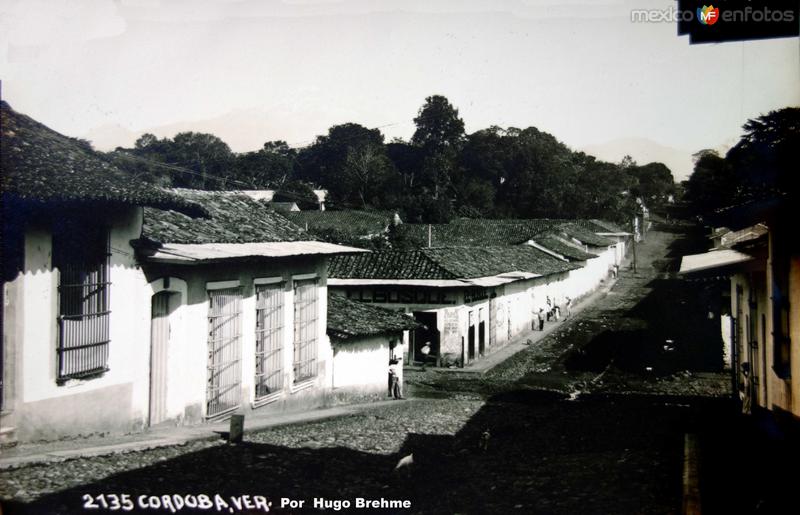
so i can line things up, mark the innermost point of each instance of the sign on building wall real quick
(403, 295)
(450, 321)
(475, 294)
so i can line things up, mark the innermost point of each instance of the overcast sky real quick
(252, 71)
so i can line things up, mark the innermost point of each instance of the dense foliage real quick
(440, 173)
(761, 164)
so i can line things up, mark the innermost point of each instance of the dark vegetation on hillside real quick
(440, 173)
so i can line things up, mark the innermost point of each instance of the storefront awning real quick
(713, 259)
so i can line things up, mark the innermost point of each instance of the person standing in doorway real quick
(395, 381)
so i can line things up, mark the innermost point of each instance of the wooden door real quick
(159, 348)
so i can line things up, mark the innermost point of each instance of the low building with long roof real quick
(469, 300)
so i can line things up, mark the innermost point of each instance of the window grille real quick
(269, 338)
(81, 255)
(224, 350)
(305, 330)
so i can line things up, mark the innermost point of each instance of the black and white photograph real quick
(400, 257)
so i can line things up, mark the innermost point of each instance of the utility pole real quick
(634, 224)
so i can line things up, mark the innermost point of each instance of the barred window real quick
(81, 255)
(305, 330)
(224, 350)
(269, 338)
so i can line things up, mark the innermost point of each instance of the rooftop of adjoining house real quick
(597, 225)
(42, 165)
(349, 222)
(560, 246)
(348, 319)
(469, 231)
(233, 218)
(447, 263)
(733, 238)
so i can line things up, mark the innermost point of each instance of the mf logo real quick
(708, 15)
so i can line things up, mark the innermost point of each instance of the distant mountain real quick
(242, 129)
(644, 151)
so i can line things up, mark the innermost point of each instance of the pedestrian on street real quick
(425, 351)
(569, 307)
(395, 385)
(541, 319)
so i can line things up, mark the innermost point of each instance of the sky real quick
(251, 71)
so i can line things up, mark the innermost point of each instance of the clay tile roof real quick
(606, 226)
(41, 165)
(467, 231)
(233, 218)
(348, 319)
(446, 263)
(584, 235)
(350, 222)
(388, 264)
(559, 246)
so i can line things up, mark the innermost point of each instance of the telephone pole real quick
(634, 224)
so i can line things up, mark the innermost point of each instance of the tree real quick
(269, 167)
(765, 158)
(653, 182)
(206, 155)
(438, 126)
(762, 163)
(439, 135)
(712, 184)
(350, 162)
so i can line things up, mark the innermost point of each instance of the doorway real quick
(160, 330)
(471, 342)
(481, 338)
(428, 333)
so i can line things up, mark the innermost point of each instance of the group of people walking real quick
(553, 313)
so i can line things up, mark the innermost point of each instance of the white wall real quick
(188, 352)
(41, 407)
(363, 363)
(119, 400)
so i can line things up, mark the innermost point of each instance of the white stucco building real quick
(127, 306)
(468, 299)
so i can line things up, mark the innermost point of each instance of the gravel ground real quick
(570, 425)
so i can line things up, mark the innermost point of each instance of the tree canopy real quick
(761, 164)
(441, 172)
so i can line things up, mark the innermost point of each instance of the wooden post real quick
(635, 225)
(237, 429)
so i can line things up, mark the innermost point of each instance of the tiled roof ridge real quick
(428, 256)
(42, 165)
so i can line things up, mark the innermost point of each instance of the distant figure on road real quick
(568, 305)
(395, 385)
(425, 351)
(541, 319)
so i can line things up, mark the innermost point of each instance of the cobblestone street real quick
(590, 419)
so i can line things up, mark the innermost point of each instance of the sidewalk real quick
(522, 340)
(28, 454)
